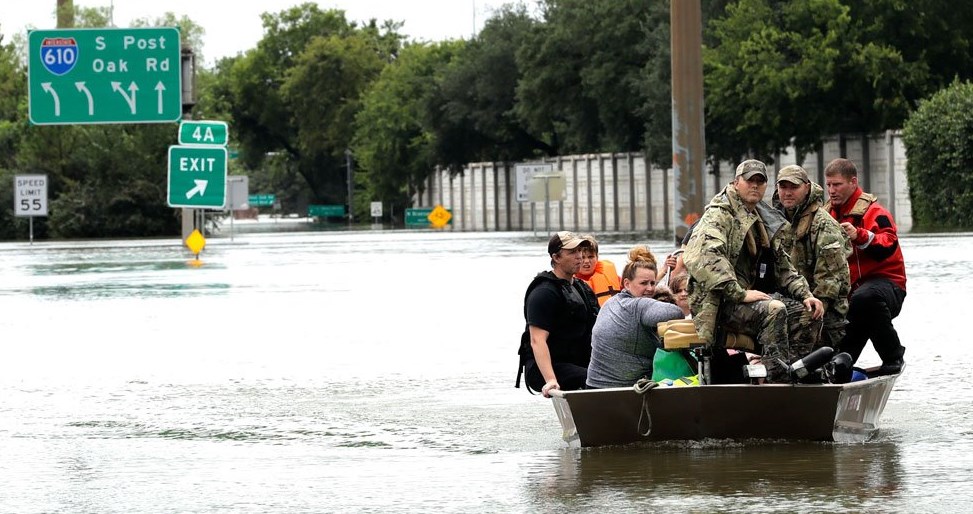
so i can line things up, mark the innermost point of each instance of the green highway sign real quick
(261, 200)
(202, 133)
(82, 76)
(418, 216)
(325, 211)
(197, 176)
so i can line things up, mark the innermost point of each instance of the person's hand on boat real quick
(755, 296)
(815, 306)
(548, 387)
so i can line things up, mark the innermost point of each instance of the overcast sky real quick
(233, 26)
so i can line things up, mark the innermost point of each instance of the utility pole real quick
(188, 70)
(688, 145)
(351, 181)
(65, 14)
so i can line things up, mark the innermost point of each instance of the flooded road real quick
(373, 371)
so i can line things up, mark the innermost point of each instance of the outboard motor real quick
(839, 370)
(801, 369)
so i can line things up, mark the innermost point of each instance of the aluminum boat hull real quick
(825, 412)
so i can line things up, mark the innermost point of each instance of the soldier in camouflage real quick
(738, 248)
(820, 249)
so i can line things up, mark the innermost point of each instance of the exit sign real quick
(197, 176)
(203, 133)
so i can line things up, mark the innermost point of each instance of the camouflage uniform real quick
(712, 255)
(820, 253)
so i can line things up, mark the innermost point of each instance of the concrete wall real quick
(619, 193)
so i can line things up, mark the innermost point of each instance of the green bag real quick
(671, 365)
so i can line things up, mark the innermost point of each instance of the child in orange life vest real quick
(600, 275)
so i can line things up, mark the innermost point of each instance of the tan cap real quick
(751, 167)
(794, 174)
(564, 240)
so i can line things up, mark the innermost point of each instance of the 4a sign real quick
(197, 176)
(82, 76)
(30, 195)
(203, 133)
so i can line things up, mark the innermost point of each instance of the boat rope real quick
(645, 418)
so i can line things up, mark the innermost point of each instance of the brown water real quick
(373, 371)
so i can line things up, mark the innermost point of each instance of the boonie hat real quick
(794, 174)
(751, 167)
(564, 240)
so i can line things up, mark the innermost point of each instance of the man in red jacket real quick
(876, 265)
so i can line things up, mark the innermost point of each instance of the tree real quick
(294, 98)
(939, 141)
(472, 110)
(393, 143)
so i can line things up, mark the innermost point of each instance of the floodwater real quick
(373, 372)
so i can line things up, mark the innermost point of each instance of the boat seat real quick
(681, 334)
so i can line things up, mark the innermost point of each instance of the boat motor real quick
(802, 368)
(839, 369)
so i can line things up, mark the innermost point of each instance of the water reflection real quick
(749, 476)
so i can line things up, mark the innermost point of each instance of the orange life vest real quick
(604, 281)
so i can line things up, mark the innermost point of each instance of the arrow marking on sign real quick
(57, 101)
(132, 88)
(200, 188)
(160, 87)
(91, 101)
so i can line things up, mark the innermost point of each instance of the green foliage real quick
(393, 144)
(471, 111)
(939, 143)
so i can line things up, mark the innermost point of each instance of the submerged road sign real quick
(81, 76)
(197, 176)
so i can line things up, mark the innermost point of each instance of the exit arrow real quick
(200, 188)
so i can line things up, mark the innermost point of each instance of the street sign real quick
(524, 173)
(325, 211)
(203, 133)
(418, 216)
(261, 200)
(197, 176)
(237, 192)
(439, 217)
(30, 195)
(82, 76)
(376, 209)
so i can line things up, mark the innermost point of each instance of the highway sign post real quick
(203, 133)
(114, 75)
(197, 176)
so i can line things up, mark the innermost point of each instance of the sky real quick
(233, 26)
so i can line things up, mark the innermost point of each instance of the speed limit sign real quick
(30, 195)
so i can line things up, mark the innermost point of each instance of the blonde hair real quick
(639, 257)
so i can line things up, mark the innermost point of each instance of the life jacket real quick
(603, 281)
(572, 307)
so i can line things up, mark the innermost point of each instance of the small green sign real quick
(82, 76)
(197, 176)
(326, 211)
(261, 200)
(418, 216)
(202, 133)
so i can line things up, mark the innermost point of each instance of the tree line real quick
(554, 78)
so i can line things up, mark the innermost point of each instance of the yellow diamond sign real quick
(439, 217)
(196, 242)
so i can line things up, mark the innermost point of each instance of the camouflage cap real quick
(750, 167)
(794, 174)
